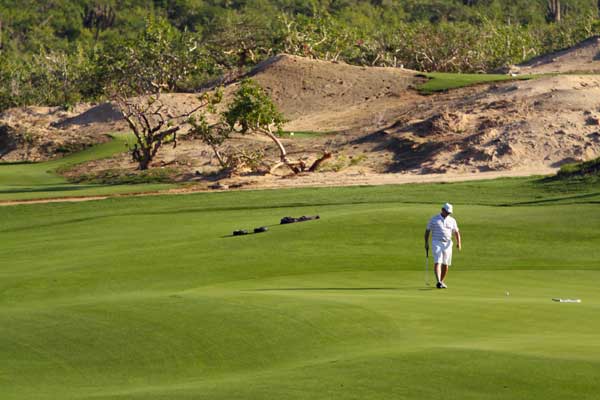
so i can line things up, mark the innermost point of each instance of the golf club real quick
(426, 267)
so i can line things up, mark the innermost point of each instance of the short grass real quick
(151, 298)
(442, 81)
(22, 181)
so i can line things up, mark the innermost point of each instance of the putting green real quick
(150, 298)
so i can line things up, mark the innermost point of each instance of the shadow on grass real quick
(17, 163)
(71, 188)
(555, 200)
(331, 289)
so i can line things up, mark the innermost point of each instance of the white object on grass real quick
(559, 300)
(507, 293)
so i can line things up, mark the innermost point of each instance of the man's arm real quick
(427, 239)
(458, 240)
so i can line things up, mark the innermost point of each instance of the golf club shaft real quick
(427, 267)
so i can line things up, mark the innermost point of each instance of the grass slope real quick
(22, 181)
(150, 298)
(586, 170)
(443, 81)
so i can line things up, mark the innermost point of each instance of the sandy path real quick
(312, 180)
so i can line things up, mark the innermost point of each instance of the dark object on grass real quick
(241, 232)
(291, 220)
(261, 229)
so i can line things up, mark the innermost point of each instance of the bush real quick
(583, 169)
(124, 177)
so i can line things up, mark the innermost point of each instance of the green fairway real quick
(151, 298)
(22, 181)
(442, 81)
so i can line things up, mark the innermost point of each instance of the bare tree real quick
(153, 123)
(157, 61)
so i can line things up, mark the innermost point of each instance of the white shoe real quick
(443, 285)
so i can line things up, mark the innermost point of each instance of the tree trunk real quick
(319, 161)
(554, 10)
(144, 161)
(282, 152)
(219, 156)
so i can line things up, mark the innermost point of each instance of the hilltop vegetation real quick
(61, 52)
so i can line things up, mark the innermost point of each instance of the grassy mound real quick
(151, 298)
(21, 181)
(584, 169)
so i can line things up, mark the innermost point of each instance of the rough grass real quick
(590, 168)
(21, 181)
(442, 81)
(150, 298)
(120, 177)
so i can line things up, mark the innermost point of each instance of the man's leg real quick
(443, 272)
(446, 260)
(438, 272)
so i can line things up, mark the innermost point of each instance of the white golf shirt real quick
(442, 228)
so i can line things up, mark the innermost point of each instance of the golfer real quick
(442, 226)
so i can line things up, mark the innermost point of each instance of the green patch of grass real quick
(357, 159)
(23, 181)
(336, 165)
(589, 168)
(150, 298)
(443, 81)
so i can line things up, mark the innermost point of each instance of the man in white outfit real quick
(442, 226)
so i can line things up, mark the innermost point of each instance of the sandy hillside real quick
(582, 58)
(322, 96)
(380, 128)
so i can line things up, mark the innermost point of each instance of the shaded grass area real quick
(587, 170)
(145, 298)
(22, 181)
(443, 81)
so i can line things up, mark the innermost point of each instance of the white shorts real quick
(442, 252)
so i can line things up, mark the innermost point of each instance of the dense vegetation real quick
(60, 52)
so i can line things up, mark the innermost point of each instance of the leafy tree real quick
(252, 110)
(214, 135)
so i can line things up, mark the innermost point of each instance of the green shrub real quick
(589, 168)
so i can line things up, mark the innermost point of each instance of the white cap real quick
(448, 207)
